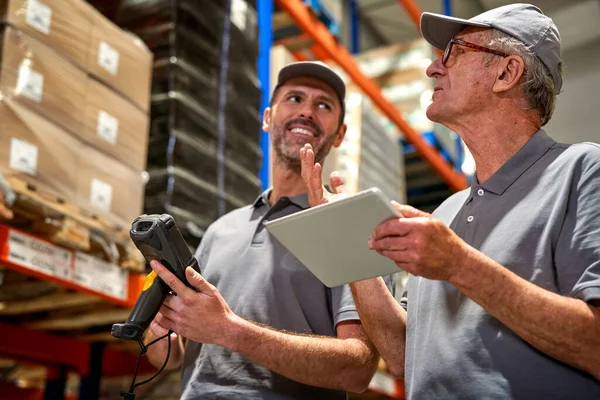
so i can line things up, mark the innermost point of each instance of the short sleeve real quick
(342, 305)
(577, 253)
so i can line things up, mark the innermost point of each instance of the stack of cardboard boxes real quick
(74, 104)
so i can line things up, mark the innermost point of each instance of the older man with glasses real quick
(503, 299)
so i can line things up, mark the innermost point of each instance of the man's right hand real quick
(311, 174)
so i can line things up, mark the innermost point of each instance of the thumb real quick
(198, 281)
(408, 211)
(337, 182)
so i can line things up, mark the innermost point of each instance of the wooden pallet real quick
(41, 212)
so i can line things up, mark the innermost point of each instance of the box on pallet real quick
(38, 77)
(105, 184)
(37, 151)
(120, 60)
(115, 126)
(64, 25)
(79, 32)
(369, 156)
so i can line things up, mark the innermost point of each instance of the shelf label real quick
(101, 195)
(108, 58)
(39, 16)
(108, 127)
(23, 156)
(30, 83)
(38, 255)
(101, 276)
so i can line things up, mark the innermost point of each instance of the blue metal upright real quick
(354, 29)
(265, 38)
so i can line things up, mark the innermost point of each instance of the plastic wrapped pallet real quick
(203, 152)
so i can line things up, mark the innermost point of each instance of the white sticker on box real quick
(108, 58)
(37, 255)
(30, 83)
(23, 156)
(108, 127)
(100, 276)
(101, 195)
(39, 16)
(239, 12)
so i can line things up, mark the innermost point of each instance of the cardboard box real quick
(41, 79)
(64, 25)
(36, 150)
(115, 126)
(120, 60)
(107, 185)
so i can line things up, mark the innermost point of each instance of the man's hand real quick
(311, 174)
(202, 316)
(420, 244)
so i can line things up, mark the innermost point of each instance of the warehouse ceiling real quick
(578, 20)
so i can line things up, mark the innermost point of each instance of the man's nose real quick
(435, 68)
(306, 111)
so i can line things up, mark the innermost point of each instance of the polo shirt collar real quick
(527, 155)
(300, 200)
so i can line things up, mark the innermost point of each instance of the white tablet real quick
(331, 239)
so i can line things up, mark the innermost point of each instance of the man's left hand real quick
(420, 244)
(311, 174)
(202, 316)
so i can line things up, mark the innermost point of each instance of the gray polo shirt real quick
(538, 216)
(262, 282)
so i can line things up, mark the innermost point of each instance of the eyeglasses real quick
(473, 46)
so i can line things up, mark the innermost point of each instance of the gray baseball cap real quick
(314, 69)
(524, 22)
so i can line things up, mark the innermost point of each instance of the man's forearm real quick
(333, 363)
(384, 321)
(564, 328)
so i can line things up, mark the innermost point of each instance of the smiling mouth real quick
(303, 131)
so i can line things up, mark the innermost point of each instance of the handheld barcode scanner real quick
(158, 238)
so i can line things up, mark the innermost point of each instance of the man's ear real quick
(509, 73)
(266, 125)
(340, 135)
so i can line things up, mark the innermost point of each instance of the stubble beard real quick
(289, 158)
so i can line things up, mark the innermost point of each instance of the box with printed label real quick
(41, 79)
(108, 185)
(37, 150)
(115, 126)
(120, 60)
(64, 25)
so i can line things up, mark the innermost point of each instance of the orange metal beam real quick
(413, 11)
(321, 36)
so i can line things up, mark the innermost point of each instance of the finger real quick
(337, 182)
(408, 211)
(400, 257)
(169, 278)
(198, 281)
(392, 227)
(164, 321)
(394, 243)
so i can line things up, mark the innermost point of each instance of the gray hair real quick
(539, 88)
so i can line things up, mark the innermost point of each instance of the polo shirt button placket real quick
(470, 218)
(480, 192)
